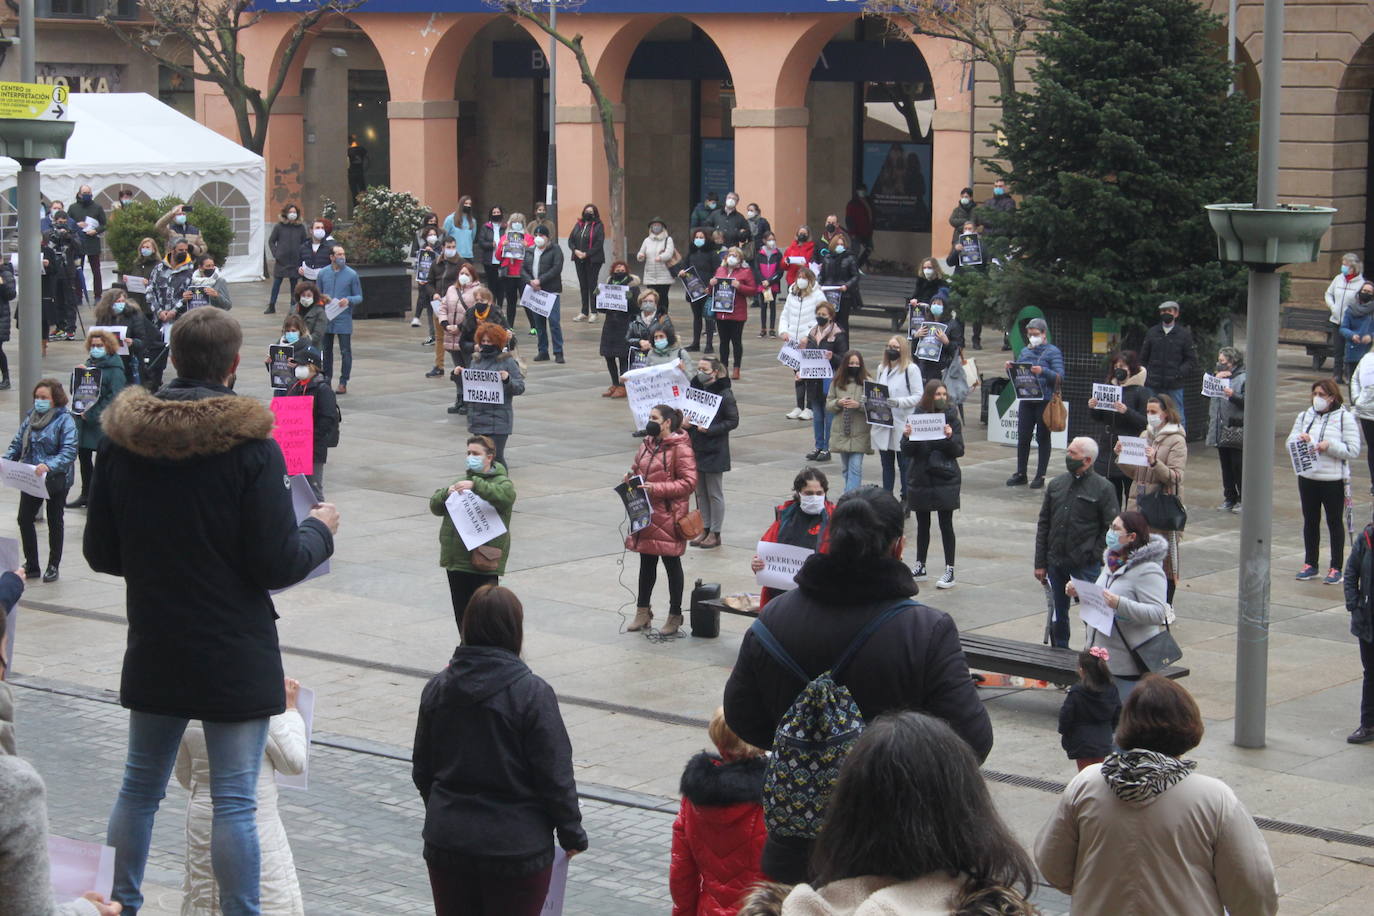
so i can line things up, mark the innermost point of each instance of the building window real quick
(86, 9)
(235, 206)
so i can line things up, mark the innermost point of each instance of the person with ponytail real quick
(1090, 711)
(913, 661)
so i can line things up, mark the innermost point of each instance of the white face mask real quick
(318, 234)
(929, 273)
(431, 239)
(293, 215)
(1154, 420)
(812, 503)
(966, 201)
(450, 252)
(1036, 340)
(464, 279)
(1319, 404)
(803, 283)
(771, 245)
(732, 261)
(302, 372)
(307, 300)
(540, 241)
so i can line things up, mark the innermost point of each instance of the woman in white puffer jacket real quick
(286, 753)
(796, 318)
(1332, 432)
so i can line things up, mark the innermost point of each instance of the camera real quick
(187, 208)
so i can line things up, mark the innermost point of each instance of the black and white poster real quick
(876, 405)
(85, 388)
(971, 252)
(1026, 382)
(278, 358)
(636, 500)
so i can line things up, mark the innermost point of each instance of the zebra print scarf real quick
(1140, 775)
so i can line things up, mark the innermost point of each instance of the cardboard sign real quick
(305, 705)
(693, 286)
(876, 405)
(636, 501)
(781, 562)
(538, 301)
(926, 427)
(120, 332)
(483, 386)
(295, 432)
(1213, 387)
(1004, 420)
(653, 385)
(77, 868)
(1303, 454)
(85, 388)
(1108, 396)
(135, 284)
(816, 364)
(723, 299)
(700, 407)
(971, 254)
(279, 370)
(21, 477)
(1026, 382)
(1132, 451)
(476, 519)
(612, 297)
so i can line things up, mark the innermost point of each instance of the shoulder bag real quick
(1156, 653)
(1163, 510)
(1056, 415)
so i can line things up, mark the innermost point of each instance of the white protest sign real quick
(558, 886)
(1003, 429)
(1303, 454)
(610, 297)
(305, 705)
(21, 477)
(77, 867)
(699, 407)
(333, 309)
(476, 519)
(120, 332)
(310, 273)
(926, 427)
(816, 364)
(483, 386)
(135, 284)
(538, 301)
(1107, 395)
(780, 564)
(1092, 607)
(302, 501)
(645, 388)
(790, 357)
(1213, 387)
(1132, 451)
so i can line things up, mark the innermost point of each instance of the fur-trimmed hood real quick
(184, 423)
(1152, 551)
(709, 780)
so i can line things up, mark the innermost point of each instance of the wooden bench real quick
(1309, 327)
(886, 296)
(1004, 656)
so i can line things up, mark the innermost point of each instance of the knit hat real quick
(310, 355)
(541, 229)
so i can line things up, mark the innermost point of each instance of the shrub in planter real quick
(384, 224)
(131, 224)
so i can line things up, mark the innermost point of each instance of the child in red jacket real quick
(719, 833)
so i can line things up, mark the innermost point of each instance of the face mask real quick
(1167, 319)
(432, 239)
(803, 283)
(1319, 404)
(661, 344)
(812, 503)
(1221, 367)
(118, 307)
(929, 273)
(540, 214)
(496, 218)
(86, 198)
(705, 378)
(307, 301)
(653, 428)
(732, 261)
(181, 219)
(341, 260)
(97, 352)
(302, 372)
(1036, 340)
(540, 241)
(700, 243)
(1349, 270)
(998, 192)
(206, 271)
(293, 216)
(146, 252)
(1113, 539)
(940, 403)
(832, 225)
(475, 462)
(937, 310)
(892, 354)
(517, 227)
(1073, 464)
(730, 203)
(771, 245)
(859, 193)
(41, 405)
(753, 214)
(854, 371)
(589, 215)
(490, 349)
(1154, 420)
(656, 229)
(1364, 296)
(822, 320)
(618, 275)
(1119, 375)
(318, 234)
(839, 249)
(802, 236)
(710, 205)
(291, 337)
(464, 279)
(965, 201)
(467, 208)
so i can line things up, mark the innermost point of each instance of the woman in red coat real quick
(719, 833)
(669, 467)
(802, 521)
(735, 271)
(511, 250)
(799, 254)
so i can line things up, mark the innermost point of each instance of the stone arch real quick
(1352, 181)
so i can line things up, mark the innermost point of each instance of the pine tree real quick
(1128, 134)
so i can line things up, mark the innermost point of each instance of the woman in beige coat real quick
(286, 753)
(1167, 454)
(1142, 833)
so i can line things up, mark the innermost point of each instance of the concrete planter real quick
(386, 290)
(1268, 238)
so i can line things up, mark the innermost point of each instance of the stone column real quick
(424, 150)
(770, 162)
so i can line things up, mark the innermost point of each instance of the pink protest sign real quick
(295, 432)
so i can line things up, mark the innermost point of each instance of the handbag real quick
(486, 558)
(956, 385)
(1164, 511)
(1231, 436)
(690, 525)
(1156, 653)
(1056, 415)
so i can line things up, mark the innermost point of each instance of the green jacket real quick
(496, 488)
(112, 381)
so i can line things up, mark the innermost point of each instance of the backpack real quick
(813, 738)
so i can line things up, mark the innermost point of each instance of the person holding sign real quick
(904, 388)
(796, 320)
(103, 350)
(542, 270)
(1226, 423)
(698, 263)
(314, 254)
(510, 249)
(341, 289)
(469, 570)
(936, 343)
(1327, 437)
(736, 273)
(933, 476)
(1047, 365)
(48, 440)
(615, 329)
(1123, 417)
(802, 521)
(1166, 456)
(711, 446)
(306, 365)
(496, 421)
(846, 400)
(829, 336)
(147, 257)
(207, 284)
(118, 309)
(839, 268)
(482, 311)
(668, 466)
(664, 352)
(493, 763)
(656, 252)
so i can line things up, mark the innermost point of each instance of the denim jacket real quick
(53, 445)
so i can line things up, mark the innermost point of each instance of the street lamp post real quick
(551, 182)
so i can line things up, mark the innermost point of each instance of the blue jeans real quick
(816, 390)
(345, 352)
(888, 459)
(544, 326)
(1176, 395)
(235, 750)
(853, 465)
(1059, 577)
(276, 286)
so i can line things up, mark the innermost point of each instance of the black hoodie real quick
(493, 762)
(1087, 720)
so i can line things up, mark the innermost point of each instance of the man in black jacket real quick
(90, 221)
(1169, 356)
(543, 270)
(731, 222)
(201, 463)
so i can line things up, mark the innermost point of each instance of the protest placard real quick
(333, 309)
(1213, 387)
(120, 332)
(302, 501)
(611, 297)
(723, 299)
(833, 295)
(915, 318)
(1132, 451)
(85, 388)
(310, 273)
(295, 432)
(424, 263)
(199, 297)
(279, 368)
(1303, 454)
(558, 885)
(926, 427)
(513, 246)
(636, 501)
(1026, 382)
(76, 867)
(780, 564)
(539, 301)
(21, 477)
(816, 364)
(638, 358)
(476, 519)
(9, 560)
(1092, 607)
(971, 252)
(699, 407)
(305, 705)
(790, 357)
(693, 286)
(645, 388)
(1108, 396)
(135, 284)
(483, 386)
(876, 405)
(928, 345)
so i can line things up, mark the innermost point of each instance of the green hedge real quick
(137, 221)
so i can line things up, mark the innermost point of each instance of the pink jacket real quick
(669, 469)
(453, 307)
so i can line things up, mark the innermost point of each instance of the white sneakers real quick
(806, 414)
(415, 322)
(947, 580)
(794, 414)
(580, 317)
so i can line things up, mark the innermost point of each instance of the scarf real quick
(37, 422)
(1360, 309)
(1141, 775)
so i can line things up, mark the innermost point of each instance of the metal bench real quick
(1309, 327)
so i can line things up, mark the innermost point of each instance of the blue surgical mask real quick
(97, 352)
(475, 462)
(181, 219)
(341, 260)
(516, 227)
(700, 243)
(998, 192)
(839, 249)
(291, 336)
(937, 309)
(660, 344)
(1113, 539)
(118, 308)
(146, 252)
(41, 405)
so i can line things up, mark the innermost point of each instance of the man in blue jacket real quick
(340, 286)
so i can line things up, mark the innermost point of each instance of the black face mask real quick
(467, 208)
(802, 236)
(1363, 296)
(892, 354)
(822, 320)
(1167, 319)
(653, 428)
(1221, 367)
(619, 275)
(855, 371)
(589, 215)
(1119, 374)
(490, 349)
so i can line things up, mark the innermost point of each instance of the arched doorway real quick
(1353, 195)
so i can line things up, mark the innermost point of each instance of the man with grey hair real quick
(1345, 286)
(1069, 538)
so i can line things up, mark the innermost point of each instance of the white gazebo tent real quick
(132, 139)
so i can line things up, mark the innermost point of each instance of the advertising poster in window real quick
(898, 179)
